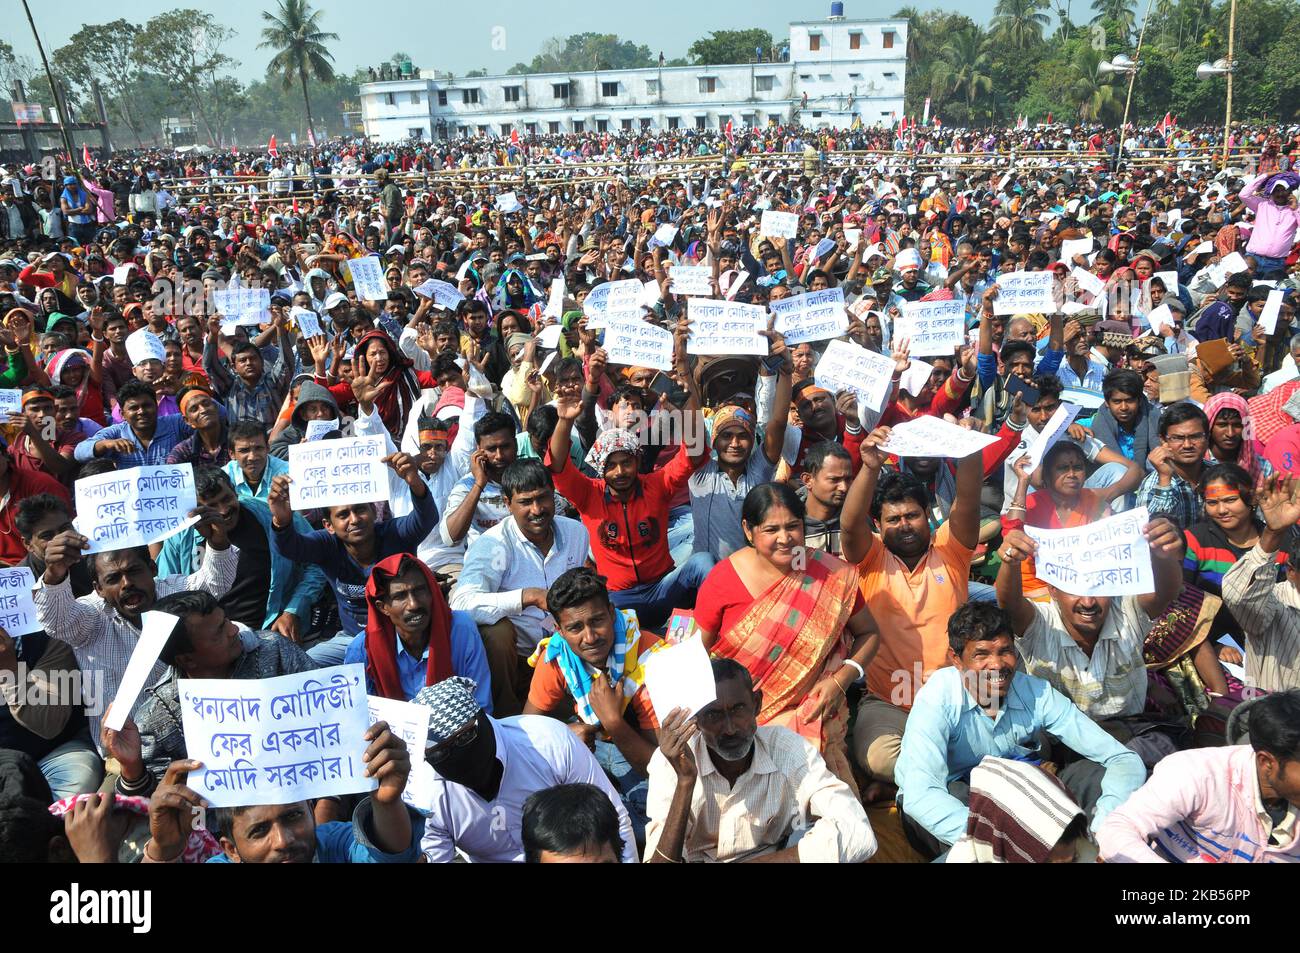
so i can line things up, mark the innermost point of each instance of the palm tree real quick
(1092, 91)
(963, 67)
(1020, 22)
(1122, 12)
(296, 37)
(914, 31)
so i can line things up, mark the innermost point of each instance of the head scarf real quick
(732, 414)
(611, 441)
(61, 361)
(381, 636)
(501, 296)
(1225, 240)
(623, 667)
(1247, 455)
(451, 705)
(395, 401)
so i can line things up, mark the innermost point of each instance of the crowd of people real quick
(893, 678)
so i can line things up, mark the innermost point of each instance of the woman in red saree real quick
(795, 618)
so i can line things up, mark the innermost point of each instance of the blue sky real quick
(459, 37)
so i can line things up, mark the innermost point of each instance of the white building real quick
(846, 68)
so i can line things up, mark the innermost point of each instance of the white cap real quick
(332, 301)
(907, 258)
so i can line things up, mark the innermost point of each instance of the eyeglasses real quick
(1185, 437)
(444, 751)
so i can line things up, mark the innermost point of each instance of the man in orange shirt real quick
(912, 582)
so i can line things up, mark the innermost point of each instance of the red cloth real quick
(1266, 411)
(724, 599)
(22, 484)
(381, 637)
(947, 400)
(394, 402)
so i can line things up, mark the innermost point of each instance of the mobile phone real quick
(665, 385)
(1018, 385)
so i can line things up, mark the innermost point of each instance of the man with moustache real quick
(827, 476)
(722, 788)
(980, 705)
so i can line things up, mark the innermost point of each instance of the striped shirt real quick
(1178, 501)
(1112, 682)
(170, 430)
(1269, 613)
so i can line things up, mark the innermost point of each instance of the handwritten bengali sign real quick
(613, 296)
(927, 436)
(240, 301)
(337, 472)
(779, 224)
(1110, 557)
(639, 344)
(444, 293)
(1026, 292)
(932, 327)
(692, 280)
(368, 278)
(134, 507)
(815, 316)
(11, 400)
(726, 327)
(17, 610)
(277, 740)
(848, 366)
(308, 322)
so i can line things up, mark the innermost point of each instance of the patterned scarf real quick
(623, 667)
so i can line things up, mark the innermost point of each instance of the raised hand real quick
(1278, 498)
(277, 499)
(171, 811)
(675, 733)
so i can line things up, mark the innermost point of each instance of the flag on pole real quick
(311, 138)
(1049, 119)
(925, 114)
(731, 135)
(514, 136)
(271, 147)
(86, 159)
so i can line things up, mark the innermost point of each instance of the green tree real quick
(105, 54)
(1094, 94)
(730, 46)
(295, 34)
(963, 67)
(1019, 23)
(1121, 14)
(186, 46)
(586, 51)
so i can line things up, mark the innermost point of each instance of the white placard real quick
(17, 610)
(410, 722)
(155, 628)
(1170, 279)
(444, 293)
(232, 301)
(815, 316)
(927, 436)
(316, 429)
(779, 224)
(1075, 246)
(508, 202)
(726, 327)
(915, 377)
(122, 273)
(848, 366)
(1110, 557)
(549, 337)
(308, 322)
(691, 280)
(1160, 317)
(143, 345)
(1272, 308)
(368, 278)
(11, 400)
(663, 236)
(1233, 264)
(252, 318)
(680, 676)
(852, 237)
(1026, 292)
(337, 472)
(555, 303)
(134, 507)
(1050, 434)
(277, 740)
(613, 296)
(639, 344)
(932, 327)
(1089, 282)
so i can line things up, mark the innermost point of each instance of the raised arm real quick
(1016, 547)
(856, 536)
(964, 517)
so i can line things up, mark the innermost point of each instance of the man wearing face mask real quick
(980, 705)
(484, 769)
(768, 784)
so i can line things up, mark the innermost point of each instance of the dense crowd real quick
(894, 676)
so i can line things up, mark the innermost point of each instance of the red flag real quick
(271, 148)
(311, 138)
(514, 136)
(1049, 119)
(731, 136)
(295, 208)
(902, 124)
(86, 160)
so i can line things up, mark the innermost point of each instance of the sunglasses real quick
(463, 739)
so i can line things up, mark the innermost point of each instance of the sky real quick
(484, 34)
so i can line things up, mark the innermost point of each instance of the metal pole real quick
(58, 102)
(1132, 78)
(1227, 118)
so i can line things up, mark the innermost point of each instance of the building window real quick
(888, 39)
(645, 125)
(482, 130)
(602, 125)
(505, 129)
(390, 99)
(609, 90)
(748, 119)
(855, 76)
(469, 96)
(674, 122)
(579, 126)
(814, 42)
(708, 84)
(701, 122)
(626, 124)
(553, 128)
(652, 87)
(415, 99)
(532, 128)
(561, 90)
(442, 97)
(415, 132)
(763, 84)
(890, 76)
(824, 77)
(806, 77)
(855, 41)
(817, 115)
(512, 94)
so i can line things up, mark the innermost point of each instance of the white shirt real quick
(502, 563)
(536, 752)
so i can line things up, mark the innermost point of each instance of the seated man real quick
(1090, 648)
(594, 667)
(476, 503)
(978, 706)
(506, 574)
(41, 518)
(209, 443)
(314, 403)
(251, 390)
(204, 644)
(252, 468)
(1218, 805)
(412, 638)
(826, 478)
(269, 592)
(103, 627)
(485, 769)
(351, 542)
(571, 824)
(724, 789)
(143, 438)
(383, 830)
(626, 514)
